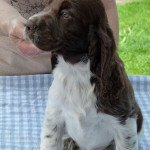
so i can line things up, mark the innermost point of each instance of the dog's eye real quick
(64, 14)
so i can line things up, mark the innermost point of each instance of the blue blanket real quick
(22, 104)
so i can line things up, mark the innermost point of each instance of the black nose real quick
(30, 25)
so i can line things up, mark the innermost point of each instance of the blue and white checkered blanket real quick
(22, 103)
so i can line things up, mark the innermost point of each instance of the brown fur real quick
(114, 92)
(78, 29)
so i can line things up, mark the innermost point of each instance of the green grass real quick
(134, 45)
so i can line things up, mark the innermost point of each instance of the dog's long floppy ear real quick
(104, 61)
(102, 45)
(102, 48)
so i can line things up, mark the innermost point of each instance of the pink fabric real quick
(12, 61)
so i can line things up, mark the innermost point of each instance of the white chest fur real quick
(75, 95)
(71, 108)
(90, 131)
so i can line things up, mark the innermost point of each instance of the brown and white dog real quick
(91, 99)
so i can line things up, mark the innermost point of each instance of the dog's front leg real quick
(52, 132)
(126, 136)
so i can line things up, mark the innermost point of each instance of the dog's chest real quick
(87, 127)
(90, 130)
(82, 122)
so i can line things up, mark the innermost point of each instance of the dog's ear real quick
(101, 49)
(102, 45)
(104, 61)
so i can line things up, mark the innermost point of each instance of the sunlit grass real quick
(134, 46)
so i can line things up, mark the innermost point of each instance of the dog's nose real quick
(30, 25)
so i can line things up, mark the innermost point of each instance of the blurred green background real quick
(134, 44)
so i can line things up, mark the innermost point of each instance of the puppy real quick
(91, 99)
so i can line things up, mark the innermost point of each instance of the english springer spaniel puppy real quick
(91, 99)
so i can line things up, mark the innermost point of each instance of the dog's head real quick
(72, 28)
